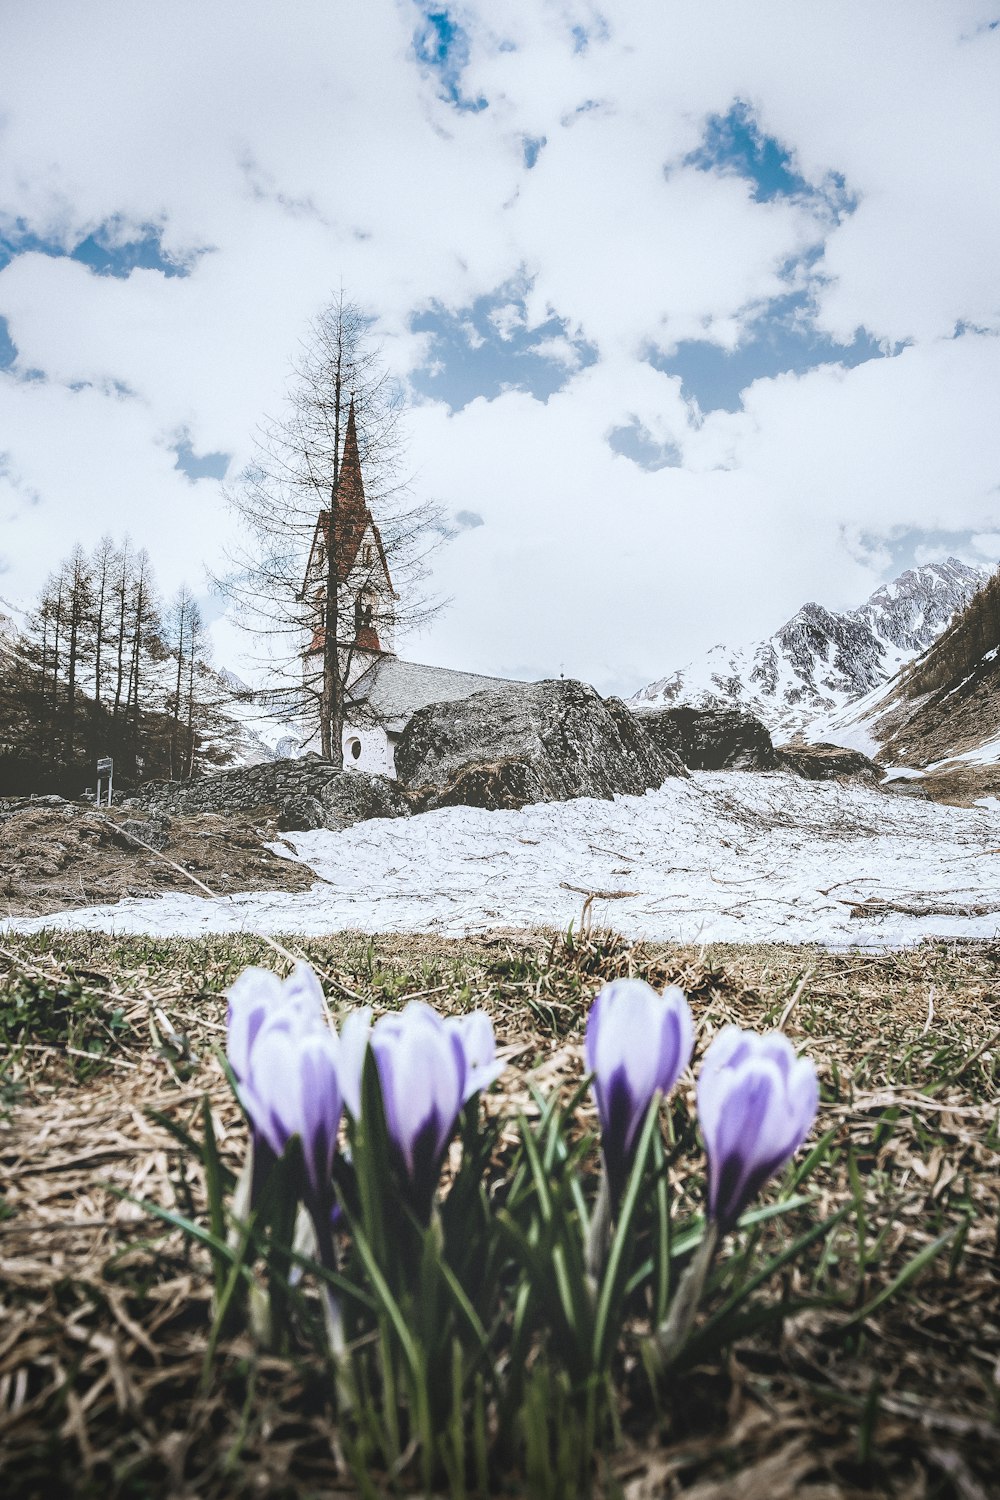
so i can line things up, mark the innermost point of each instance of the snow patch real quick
(981, 755)
(727, 856)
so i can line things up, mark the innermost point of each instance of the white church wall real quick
(366, 748)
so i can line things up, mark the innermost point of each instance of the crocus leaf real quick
(719, 1319)
(912, 1268)
(407, 1344)
(661, 1232)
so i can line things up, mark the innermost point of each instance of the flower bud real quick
(423, 1074)
(258, 994)
(637, 1043)
(756, 1104)
(291, 1089)
(475, 1032)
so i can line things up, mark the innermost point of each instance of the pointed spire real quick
(350, 464)
(352, 522)
(350, 505)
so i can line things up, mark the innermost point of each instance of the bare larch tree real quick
(333, 556)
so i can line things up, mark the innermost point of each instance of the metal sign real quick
(105, 765)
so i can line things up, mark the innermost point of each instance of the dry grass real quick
(106, 1311)
(74, 854)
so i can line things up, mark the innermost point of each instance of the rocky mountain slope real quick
(820, 661)
(938, 721)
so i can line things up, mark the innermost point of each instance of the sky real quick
(695, 306)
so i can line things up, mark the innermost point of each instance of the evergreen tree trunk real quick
(103, 559)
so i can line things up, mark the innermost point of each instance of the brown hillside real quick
(947, 703)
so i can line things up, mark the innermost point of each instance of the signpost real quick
(105, 767)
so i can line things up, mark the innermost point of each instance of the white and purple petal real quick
(637, 1044)
(756, 1105)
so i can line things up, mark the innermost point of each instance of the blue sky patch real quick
(468, 520)
(933, 546)
(634, 441)
(441, 46)
(531, 145)
(107, 251)
(734, 143)
(488, 348)
(8, 349)
(200, 465)
(582, 36)
(781, 341)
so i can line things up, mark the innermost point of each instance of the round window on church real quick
(354, 749)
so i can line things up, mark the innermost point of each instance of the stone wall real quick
(305, 793)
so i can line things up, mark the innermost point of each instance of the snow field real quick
(723, 857)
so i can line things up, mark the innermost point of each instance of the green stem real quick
(672, 1334)
(599, 1231)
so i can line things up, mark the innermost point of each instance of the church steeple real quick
(349, 531)
(349, 492)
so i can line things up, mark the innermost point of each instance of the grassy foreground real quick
(104, 1387)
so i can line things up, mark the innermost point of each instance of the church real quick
(382, 691)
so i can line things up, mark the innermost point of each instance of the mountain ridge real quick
(820, 661)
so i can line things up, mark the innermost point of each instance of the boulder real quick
(529, 742)
(304, 793)
(710, 739)
(152, 832)
(825, 762)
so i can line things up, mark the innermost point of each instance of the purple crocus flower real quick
(258, 994)
(422, 1071)
(756, 1104)
(475, 1032)
(284, 1058)
(291, 1089)
(638, 1043)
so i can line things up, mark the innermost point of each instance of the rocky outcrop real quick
(731, 740)
(303, 793)
(712, 739)
(529, 742)
(829, 763)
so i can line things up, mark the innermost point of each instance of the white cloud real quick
(305, 149)
(559, 348)
(508, 319)
(988, 546)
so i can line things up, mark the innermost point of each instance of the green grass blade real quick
(213, 1180)
(176, 1221)
(910, 1270)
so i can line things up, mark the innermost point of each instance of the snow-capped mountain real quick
(11, 623)
(941, 714)
(259, 727)
(819, 661)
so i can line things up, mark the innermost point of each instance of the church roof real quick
(393, 689)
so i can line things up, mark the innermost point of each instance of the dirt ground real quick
(55, 855)
(956, 783)
(884, 1388)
